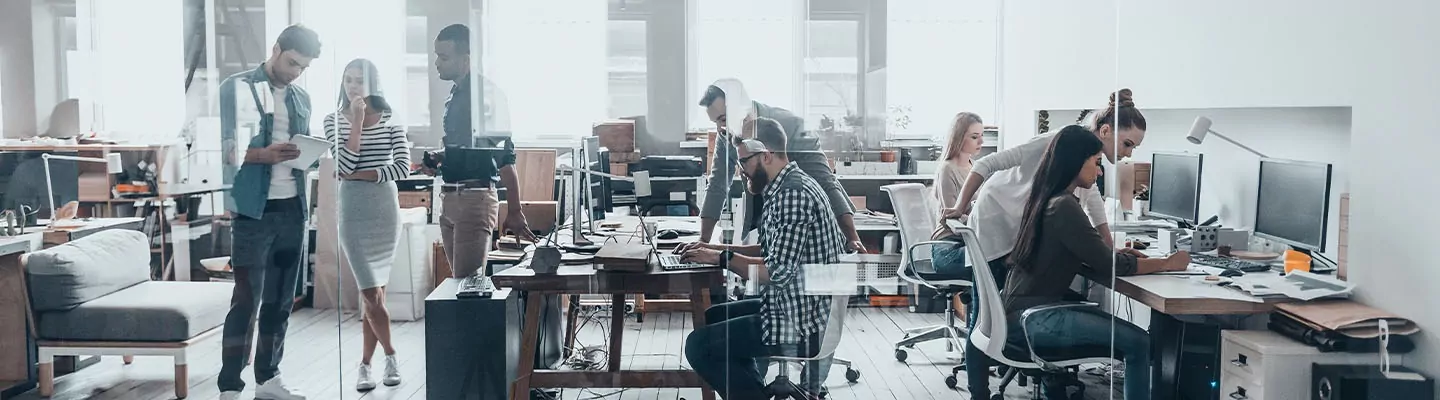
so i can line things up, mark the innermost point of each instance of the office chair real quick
(852, 375)
(1056, 366)
(917, 214)
(783, 388)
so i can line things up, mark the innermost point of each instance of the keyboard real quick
(1228, 263)
(475, 286)
(671, 262)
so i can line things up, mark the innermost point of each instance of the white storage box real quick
(410, 279)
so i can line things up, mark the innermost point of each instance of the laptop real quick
(670, 261)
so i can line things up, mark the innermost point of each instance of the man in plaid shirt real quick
(797, 230)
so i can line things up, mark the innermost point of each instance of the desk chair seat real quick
(917, 215)
(784, 388)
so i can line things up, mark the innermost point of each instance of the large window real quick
(625, 62)
(548, 58)
(758, 42)
(941, 61)
(832, 75)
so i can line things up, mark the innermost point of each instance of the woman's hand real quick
(1178, 261)
(357, 111)
(952, 212)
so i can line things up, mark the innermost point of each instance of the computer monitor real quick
(1293, 203)
(1175, 186)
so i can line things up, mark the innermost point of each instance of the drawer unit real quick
(1266, 365)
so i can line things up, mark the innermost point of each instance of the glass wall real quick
(360, 264)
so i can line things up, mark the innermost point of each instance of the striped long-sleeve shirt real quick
(383, 147)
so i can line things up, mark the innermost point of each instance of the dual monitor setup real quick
(1292, 205)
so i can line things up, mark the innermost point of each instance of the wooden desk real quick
(62, 236)
(1169, 296)
(584, 279)
(1177, 295)
(17, 356)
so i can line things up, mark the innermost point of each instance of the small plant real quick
(900, 117)
(1142, 193)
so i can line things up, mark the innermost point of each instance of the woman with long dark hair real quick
(372, 153)
(1056, 243)
(994, 208)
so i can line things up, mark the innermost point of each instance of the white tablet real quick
(310, 150)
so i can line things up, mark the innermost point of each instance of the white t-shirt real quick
(1000, 203)
(282, 183)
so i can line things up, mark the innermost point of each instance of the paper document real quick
(1297, 285)
(310, 150)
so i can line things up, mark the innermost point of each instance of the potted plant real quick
(1142, 199)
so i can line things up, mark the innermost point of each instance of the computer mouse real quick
(1231, 273)
(668, 234)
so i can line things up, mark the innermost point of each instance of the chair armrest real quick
(1025, 328)
(909, 260)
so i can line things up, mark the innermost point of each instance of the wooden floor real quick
(316, 365)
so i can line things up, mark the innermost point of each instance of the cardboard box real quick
(616, 135)
(540, 214)
(630, 157)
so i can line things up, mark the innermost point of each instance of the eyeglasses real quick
(747, 158)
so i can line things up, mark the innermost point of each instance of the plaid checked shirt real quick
(797, 228)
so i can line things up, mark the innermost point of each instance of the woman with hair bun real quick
(1007, 177)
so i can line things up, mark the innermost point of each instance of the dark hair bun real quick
(1125, 97)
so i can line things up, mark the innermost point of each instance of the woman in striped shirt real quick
(372, 154)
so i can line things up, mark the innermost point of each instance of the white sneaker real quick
(392, 371)
(274, 389)
(230, 395)
(364, 383)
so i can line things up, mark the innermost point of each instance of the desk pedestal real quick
(1186, 358)
(471, 344)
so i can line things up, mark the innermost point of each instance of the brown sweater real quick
(1068, 246)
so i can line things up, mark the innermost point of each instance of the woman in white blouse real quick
(1007, 177)
(372, 154)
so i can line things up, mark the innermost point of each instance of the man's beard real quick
(758, 180)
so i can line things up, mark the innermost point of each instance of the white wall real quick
(1228, 185)
(1378, 58)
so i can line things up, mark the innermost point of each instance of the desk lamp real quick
(112, 166)
(1201, 127)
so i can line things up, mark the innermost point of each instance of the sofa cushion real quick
(73, 273)
(148, 312)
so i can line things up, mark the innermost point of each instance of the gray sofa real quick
(94, 296)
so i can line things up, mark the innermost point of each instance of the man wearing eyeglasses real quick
(797, 228)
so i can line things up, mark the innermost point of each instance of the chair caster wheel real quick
(951, 382)
(901, 355)
(852, 375)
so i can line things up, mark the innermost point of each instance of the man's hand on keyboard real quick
(701, 255)
(682, 249)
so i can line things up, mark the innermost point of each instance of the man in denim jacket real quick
(267, 202)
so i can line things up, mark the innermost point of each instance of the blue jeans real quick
(950, 260)
(1089, 326)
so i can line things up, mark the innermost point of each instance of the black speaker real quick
(1365, 382)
